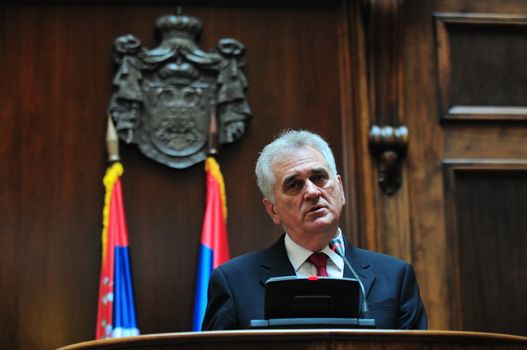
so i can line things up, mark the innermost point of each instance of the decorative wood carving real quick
(388, 138)
(165, 99)
(389, 145)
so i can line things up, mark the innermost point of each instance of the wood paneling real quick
(309, 65)
(383, 39)
(480, 74)
(486, 225)
(423, 181)
(459, 67)
(54, 91)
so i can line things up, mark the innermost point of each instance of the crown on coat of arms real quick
(178, 25)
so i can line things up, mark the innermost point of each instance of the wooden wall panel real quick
(479, 71)
(55, 87)
(486, 225)
(425, 151)
(464, 103)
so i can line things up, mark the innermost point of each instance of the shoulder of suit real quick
(249, 259)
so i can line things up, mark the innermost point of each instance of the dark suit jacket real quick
(236, 288)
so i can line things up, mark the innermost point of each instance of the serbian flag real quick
(214, 248)
(116, 311)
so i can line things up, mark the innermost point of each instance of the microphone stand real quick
(336, 246)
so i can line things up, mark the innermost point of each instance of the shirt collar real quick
(298, 254)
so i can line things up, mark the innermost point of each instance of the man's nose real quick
(311, 191)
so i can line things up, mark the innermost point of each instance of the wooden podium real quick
(311, 339)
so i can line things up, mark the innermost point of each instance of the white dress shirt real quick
(298, 256)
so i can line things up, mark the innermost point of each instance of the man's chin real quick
(322, 225)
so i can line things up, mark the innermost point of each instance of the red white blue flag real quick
(116, 310)
(214, 248)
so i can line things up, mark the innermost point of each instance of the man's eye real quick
(296, 185)
(319, 179)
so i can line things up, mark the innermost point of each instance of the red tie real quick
(319, 260)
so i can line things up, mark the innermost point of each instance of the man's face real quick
(308, 198)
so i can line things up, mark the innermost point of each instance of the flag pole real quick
(115, 307)
(214, 247)
(112, 141)
(212, 135)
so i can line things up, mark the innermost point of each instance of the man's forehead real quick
(306, 160)
(289, 157)
(306, 172)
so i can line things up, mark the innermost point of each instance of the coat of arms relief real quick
(165, 99)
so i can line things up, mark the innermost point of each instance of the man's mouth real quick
(315, 208)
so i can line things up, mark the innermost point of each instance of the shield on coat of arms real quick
(164, 98)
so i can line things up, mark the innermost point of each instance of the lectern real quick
(311, 339)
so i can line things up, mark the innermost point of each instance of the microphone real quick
(336, 246)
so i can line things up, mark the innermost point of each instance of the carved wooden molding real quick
(389, 146)
(383, 44)
(385, 79)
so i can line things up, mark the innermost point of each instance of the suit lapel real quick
(275, 262)
(361, 267)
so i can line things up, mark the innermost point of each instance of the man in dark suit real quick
(303, 193)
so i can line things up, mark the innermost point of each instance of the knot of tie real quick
(319, 261)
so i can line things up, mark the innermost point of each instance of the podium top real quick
(310, 339)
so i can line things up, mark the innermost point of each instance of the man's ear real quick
(269, 208)
(339, 178)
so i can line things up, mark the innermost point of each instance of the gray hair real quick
(287, 142)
